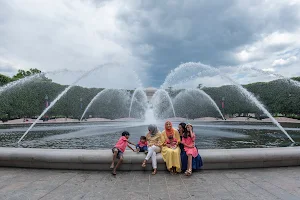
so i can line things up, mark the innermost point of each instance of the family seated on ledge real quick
(177, 148)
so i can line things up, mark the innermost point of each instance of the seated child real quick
(119, 149)
(171, 142)
(142, 145)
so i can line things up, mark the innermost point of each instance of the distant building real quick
(150, 92)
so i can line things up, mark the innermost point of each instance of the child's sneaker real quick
(146, 152)
(137, 150)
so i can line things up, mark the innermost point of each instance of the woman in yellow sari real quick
(170, 154)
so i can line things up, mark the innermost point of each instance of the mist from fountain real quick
(19, 82)
(149, 115)
(92, 101)
(201, 92)
(182, 74)
(192, 65)
(289, 80)
(253, 99)
(27, 79)
(158, 95)
(133, 99)
(59, 97)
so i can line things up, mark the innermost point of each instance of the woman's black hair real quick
(183, 125)
(125, 133)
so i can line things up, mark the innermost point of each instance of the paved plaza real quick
(244, 184)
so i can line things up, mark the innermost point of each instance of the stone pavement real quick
(244, 184)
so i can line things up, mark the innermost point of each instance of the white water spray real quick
(296, 83)
(133, 98)
(163, 91)
(92, 101)
(19, 82)
(58, 98)
(245, 92)
(211, 101)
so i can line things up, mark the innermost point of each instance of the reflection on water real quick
(210, 135)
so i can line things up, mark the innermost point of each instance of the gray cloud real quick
(6, 68)
(206, 31)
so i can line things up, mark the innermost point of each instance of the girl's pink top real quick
(190, 141)
(122, 143)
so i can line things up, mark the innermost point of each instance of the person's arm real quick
(177, 136)
(131, 148)
(193, 136)
(176, 142)
(163, 139)
(158, 140)
(148, 139)
(130, 143)
(183, 142)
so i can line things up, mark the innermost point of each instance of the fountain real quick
(248, 95)
(133, 99)
(149, 115)
(92, 101)
(28, 79)
(58, 97)
(137, 109)
(184, 93)
(296, 83)
(18, 82)
(160, 96)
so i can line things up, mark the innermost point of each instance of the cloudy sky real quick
(147, 39)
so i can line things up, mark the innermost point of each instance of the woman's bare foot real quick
(154, 171)
(112, 166)
(114, 172)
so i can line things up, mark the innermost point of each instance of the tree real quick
(22, 73)
(4, 79)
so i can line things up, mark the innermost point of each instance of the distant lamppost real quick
(80, 103)
(46, 101)
(223, 105)
(46, 105)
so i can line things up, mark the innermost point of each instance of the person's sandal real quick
(154, 172)
(188, 172)
(144, 164)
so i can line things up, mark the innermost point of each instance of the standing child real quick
(188, 140)
(119, 149)
(171, 142)
(142, 145)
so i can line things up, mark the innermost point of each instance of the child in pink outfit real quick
(171, 142)
(119, 149)
(188, 140)
(190, 148)
(142, 146)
